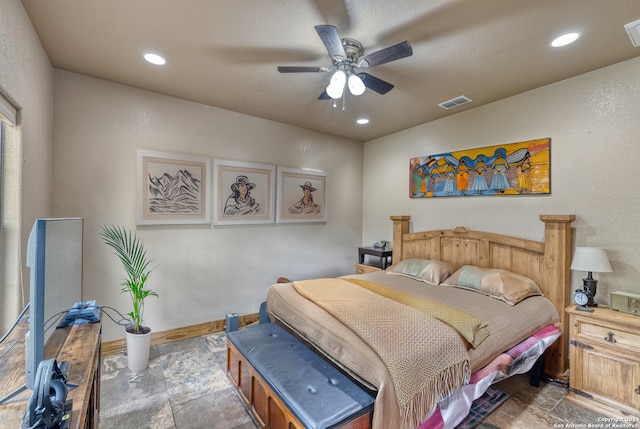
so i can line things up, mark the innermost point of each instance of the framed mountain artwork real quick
(172, 188)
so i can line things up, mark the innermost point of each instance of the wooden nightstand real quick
(604, 363)
(364, 268)
(384, 253)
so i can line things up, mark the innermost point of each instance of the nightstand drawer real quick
(608, 336)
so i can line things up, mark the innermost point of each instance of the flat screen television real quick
(54, 258)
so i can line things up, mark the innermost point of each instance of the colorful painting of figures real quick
(509, 169)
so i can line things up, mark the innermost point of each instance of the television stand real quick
(79, 344)
(64, 368)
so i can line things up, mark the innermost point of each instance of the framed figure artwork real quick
(172, 188)
(521, 168)
(302, 195)
(244, 192)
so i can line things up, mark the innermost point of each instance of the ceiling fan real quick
(346, 56)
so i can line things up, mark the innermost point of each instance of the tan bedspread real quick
(425, 365)
(507, 324)
(472, 329)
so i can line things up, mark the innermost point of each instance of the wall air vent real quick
(455, 102)
(633, 28)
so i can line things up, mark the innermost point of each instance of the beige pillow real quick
(500, 284)
(424, 270)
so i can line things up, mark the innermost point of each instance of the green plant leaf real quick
(128, 247)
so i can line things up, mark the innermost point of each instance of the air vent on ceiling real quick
(633, 28)
(455, 102)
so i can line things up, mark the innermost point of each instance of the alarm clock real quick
(581, 297)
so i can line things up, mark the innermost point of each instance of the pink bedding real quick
(516, 360)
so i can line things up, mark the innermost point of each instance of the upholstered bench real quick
(285, 385)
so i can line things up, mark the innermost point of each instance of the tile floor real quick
(185, 387)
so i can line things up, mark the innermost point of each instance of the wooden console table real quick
(77, 344)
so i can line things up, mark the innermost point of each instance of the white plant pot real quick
(138, 346)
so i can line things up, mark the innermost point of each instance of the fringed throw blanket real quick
(425, 357)
(471, 328)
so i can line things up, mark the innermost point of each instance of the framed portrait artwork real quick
(244, 192)
(302, 195)
(521, 168)
(172, 188)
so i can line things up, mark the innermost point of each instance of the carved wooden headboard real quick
(547, 263)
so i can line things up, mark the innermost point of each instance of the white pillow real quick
(424, 270)
(500, 284)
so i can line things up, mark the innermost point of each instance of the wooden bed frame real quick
(547, 263)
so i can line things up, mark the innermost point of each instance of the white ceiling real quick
(224, 53)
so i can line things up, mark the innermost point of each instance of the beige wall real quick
(203, 271)
(593, 124)
(26, 80)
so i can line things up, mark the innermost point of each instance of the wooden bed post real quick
(557, 260)
(400, 227)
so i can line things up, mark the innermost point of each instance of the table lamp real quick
(591, 260)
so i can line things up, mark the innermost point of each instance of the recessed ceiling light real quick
(565, 39)
(362, 121)
(155, 59)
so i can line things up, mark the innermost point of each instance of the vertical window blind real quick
(7, 111)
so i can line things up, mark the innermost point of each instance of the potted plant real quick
(130, 249)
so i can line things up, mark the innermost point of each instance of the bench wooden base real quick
(265, 406)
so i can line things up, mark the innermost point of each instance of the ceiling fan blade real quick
(332, 41)
(301, 69)
(324, 96)
(385, 55)
(334, 12)
(375, 84)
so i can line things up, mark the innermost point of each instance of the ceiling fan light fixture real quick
(565, 39)
(356, 86)
(334, 92)
(336, 86)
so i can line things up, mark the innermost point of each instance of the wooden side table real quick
(384, 253)
(605, 362)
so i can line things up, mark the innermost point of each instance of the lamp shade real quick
(591, 259)
(336, 85)
(356, 86)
